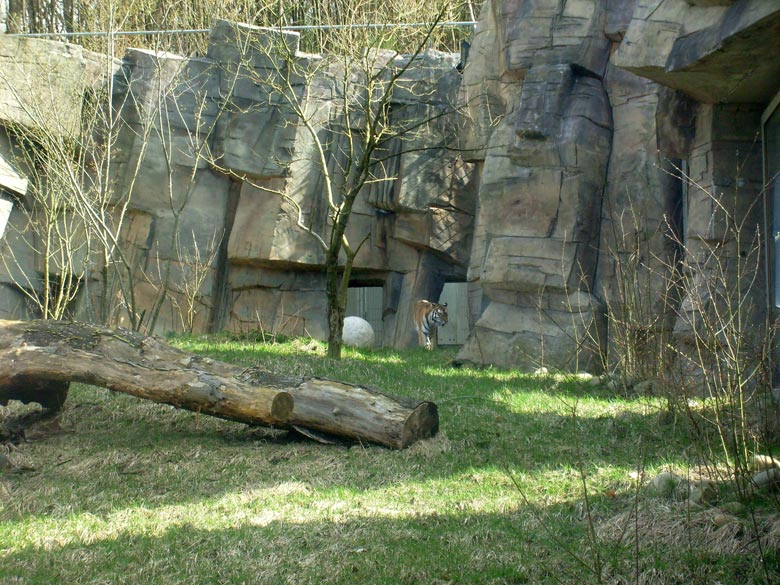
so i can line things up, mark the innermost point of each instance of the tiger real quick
(428, 317)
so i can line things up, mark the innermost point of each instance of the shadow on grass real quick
(122, 452)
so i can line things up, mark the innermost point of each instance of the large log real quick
(40, 355)
(354, 411)
(126, 361)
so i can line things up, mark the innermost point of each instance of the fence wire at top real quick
(182, 27)
(171, 39)
(120, 33)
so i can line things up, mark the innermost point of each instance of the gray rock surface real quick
(584, 126)
(558, 185)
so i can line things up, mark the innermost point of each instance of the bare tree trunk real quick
(39, 358)
(335, 311)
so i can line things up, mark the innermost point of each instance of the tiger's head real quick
(439, 314)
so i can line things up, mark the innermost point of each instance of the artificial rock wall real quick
(578, 118)
(42, 89)
(584, 115)
(207, 148)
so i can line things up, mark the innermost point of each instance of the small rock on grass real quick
(664, 484)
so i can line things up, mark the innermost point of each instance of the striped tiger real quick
(428, 317)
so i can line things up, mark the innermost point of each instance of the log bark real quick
(38, 357)
(356, 412)
(125, 361)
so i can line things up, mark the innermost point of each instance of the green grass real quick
(136, 492)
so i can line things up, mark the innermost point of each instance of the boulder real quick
(536, 228)
(358, 333)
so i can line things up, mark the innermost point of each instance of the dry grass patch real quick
(711, 531)
(137, 492)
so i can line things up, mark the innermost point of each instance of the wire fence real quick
(452, 24)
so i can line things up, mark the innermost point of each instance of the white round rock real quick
(358, 333)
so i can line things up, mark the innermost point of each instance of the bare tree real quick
(343, 103)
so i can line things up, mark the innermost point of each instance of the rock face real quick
(535, 236)
(604, 174)
(209, 164)
(43, 85)
(583, 128)
(546, 156)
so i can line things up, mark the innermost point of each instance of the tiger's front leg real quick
(431, 339)
(424, 339)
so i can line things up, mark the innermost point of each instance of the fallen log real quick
(38, 357)
(126, 361)
(355, 412)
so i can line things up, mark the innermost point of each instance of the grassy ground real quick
(532, 479)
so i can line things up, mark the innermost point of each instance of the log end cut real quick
(282, 407)
(422, 423)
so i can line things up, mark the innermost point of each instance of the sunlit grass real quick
(137, 492)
